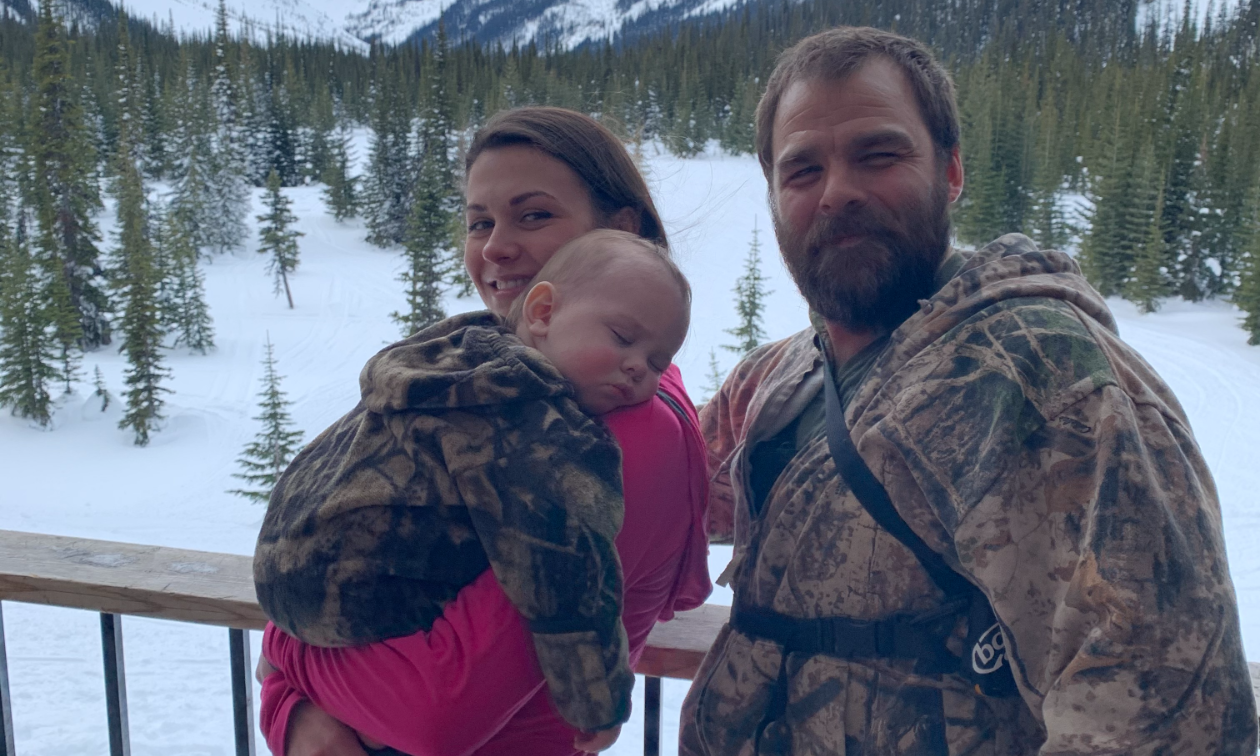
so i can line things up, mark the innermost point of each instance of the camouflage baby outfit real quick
(466, 451)
(1048, 463)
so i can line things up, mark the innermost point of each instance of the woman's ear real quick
(540, 305)
(626, 219)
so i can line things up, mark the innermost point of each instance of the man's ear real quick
(954, 174)
(626, 219)
(540, 305)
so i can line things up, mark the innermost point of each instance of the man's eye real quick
(880, 157)
(802, 173)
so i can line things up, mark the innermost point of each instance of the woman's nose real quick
(501, 245)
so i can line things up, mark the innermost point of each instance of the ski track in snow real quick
(86, 479)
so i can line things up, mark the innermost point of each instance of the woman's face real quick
(522, 205)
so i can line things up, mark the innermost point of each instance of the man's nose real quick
(841, 191)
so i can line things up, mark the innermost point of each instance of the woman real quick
(535, 179)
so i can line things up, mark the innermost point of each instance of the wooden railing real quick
(207, 588)
(218, 589)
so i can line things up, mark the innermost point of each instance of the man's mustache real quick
(854, 223)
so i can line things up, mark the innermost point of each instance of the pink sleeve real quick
(443, 692)
(278, 700)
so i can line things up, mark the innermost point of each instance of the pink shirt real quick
(472, 684)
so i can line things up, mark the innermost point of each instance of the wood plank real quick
(218, 589)
(676, 648)
(146, 581)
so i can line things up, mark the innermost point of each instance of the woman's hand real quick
(314, 732)
(593, 742)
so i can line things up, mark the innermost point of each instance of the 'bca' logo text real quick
(989, 651)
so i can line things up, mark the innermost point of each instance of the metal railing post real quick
(115, 685)
(6, 699)
(651, 716)
(242, 691)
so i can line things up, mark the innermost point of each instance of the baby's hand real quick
(594, 742)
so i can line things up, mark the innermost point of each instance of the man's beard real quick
(877, 283)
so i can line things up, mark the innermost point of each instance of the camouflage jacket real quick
(466, 451)
(1050, 465)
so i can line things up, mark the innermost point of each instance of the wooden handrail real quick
(218, 589)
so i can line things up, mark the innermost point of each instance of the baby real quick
(473, 447)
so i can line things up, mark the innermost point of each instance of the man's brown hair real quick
(594, 153)
(836, 54)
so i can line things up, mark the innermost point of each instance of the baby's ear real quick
(540, 305)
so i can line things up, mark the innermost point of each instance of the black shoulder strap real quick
(875, 499)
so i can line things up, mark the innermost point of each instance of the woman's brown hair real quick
(594, 153)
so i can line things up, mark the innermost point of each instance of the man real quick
(1013, 431)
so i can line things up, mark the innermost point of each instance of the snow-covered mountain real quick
(357, 22)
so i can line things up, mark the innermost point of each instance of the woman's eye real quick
(536, 215)
(479, 225)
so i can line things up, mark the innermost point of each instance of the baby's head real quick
(609, 310)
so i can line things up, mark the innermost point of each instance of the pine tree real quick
(227, 190)
(341, 191)
(1149, 282)
(100, 390)
(277, 238)
(1247, 295)
(387, 182)
(188, 316)
(65, 196)
(425, 250)
(714, 378)
(750, 302)
(137, 277)
(29, 352)
(269, 453)
(192, 148)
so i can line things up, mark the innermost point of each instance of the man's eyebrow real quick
(884, 138)
(794, 155)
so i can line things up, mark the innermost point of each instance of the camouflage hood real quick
(466, 361)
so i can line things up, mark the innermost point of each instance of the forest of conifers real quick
(1128, 131)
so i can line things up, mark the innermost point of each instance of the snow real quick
(85, 478)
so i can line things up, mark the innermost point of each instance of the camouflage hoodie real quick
(1050, 465)
(466, 451)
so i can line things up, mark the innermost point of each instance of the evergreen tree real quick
(137, 278)
(750, 302)
(192, 147)
(65, 196)
(341, 192)
(1150, 278)
(100, 390)
(29, 352)
(227, 190)
(387, 182)
(277, 238)
(425, 249)
(186, 314)
(270, 452)
(714, 378)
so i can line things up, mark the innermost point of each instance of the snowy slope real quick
(86, 479)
